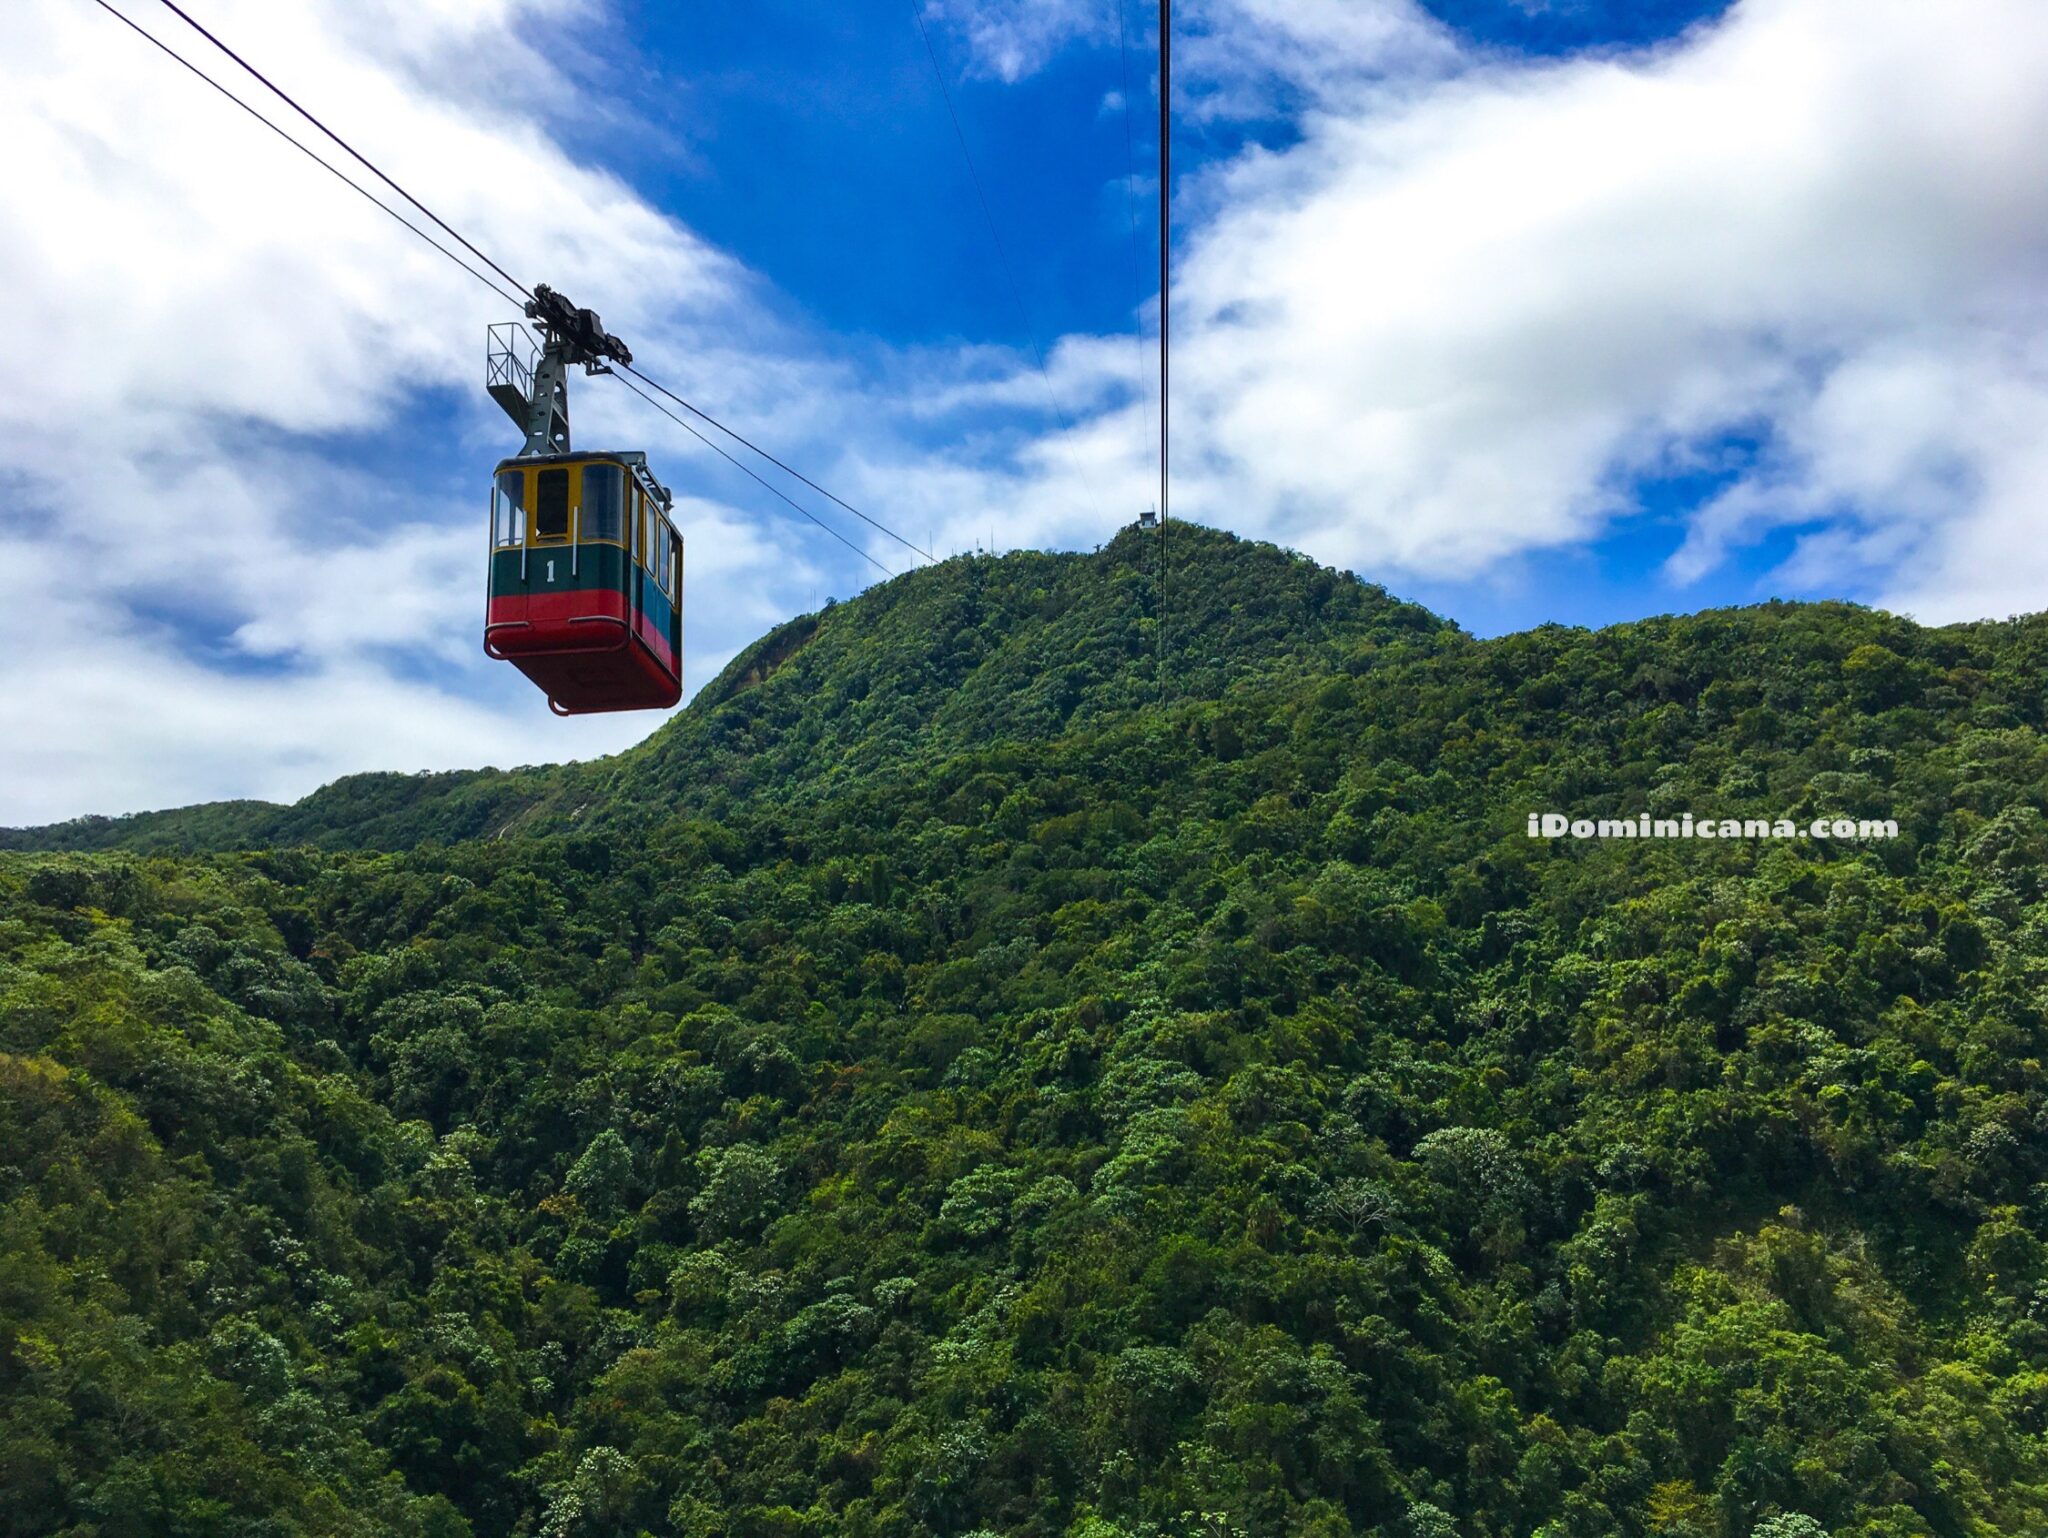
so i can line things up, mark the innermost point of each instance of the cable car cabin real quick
(586, 581)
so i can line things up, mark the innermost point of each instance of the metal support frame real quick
(547, 408)
(531, 384)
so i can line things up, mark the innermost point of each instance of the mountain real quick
(962, 1076)
(964, 653)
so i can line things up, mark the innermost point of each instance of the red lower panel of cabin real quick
(578, 649)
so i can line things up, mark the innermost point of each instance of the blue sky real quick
(1531, 311)
(790, 130)
(813, 142)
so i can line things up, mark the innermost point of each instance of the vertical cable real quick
(1165, 299)
(1123, 49)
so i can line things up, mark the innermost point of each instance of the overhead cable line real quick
(747, 470)
(313, 155)
(287, 98)
(488, 282)
(988, 215)
(284, 96)
(785, 469)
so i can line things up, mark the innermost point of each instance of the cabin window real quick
(551, 505)
(508, 510)
(603, 503)
(675, 567)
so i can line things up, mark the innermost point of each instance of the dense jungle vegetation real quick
(952, 1081)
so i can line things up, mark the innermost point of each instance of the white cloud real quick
(1482, 298)
(1917, 467)
(1264, 58)
(1453, 326)
(1010, 39)
(1233, 58)
(109, 708)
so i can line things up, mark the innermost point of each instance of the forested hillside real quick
(954, 1080)
(971, 652)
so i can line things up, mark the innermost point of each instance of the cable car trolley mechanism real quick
(586, 573)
